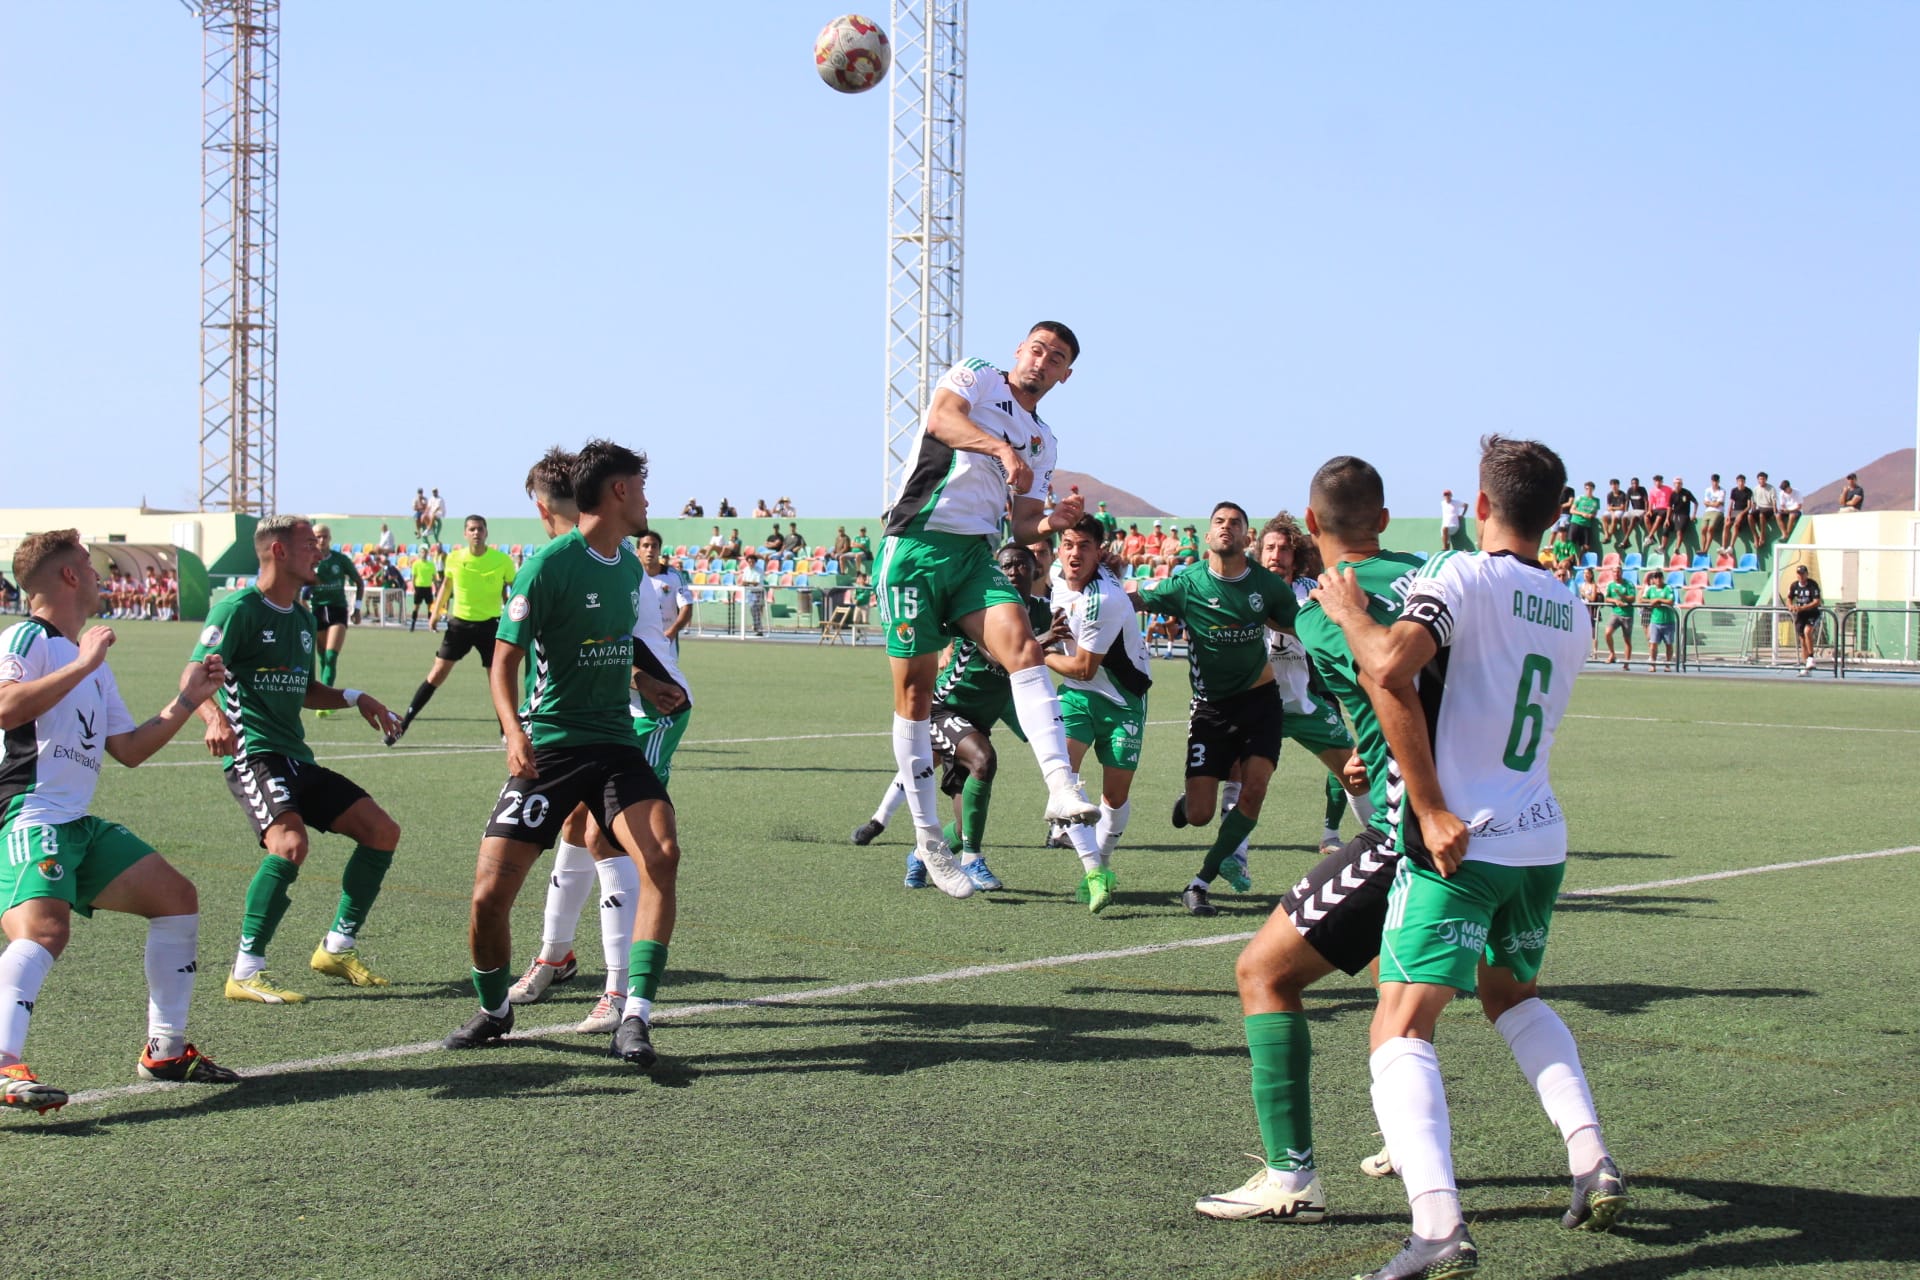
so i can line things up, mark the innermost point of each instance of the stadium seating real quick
(1749, 563)
(1611, 560)
(1679, 562)
(1722, 581)
(1609, 574)
(1697, 578)
(1694, 598)
(1701, 561)
(1631, 575)
(1631, 560)
(1589, 561)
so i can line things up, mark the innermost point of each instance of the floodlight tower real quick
(239, 250)
(926, 216)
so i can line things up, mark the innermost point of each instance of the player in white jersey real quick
(583, 855)
(674, 595)
(61, 710)
(1471, 683)
(1103, 694)
(982, 448)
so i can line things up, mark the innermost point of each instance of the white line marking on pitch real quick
(1740, 724)
(917, 980)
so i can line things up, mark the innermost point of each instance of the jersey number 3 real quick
(1529, 717)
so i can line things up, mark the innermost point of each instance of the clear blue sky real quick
(1662, 237)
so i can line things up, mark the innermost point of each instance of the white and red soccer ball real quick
(851, 54)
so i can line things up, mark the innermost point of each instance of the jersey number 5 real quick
(1529, 717)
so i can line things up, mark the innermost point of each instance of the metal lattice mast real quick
(239, 228)
(926, 215)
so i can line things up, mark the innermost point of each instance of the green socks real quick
(267, 901)
(359, 886)
(1234, 827)
(491, 986)
(1336, 803)
(1282, 1054)
(646, 961)
(974, 797)
(329, 663)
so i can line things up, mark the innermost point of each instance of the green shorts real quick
(1318, 730)
(71, 861)
(1438, 929)
(927, 581)
(1114, 731)
(660, 737)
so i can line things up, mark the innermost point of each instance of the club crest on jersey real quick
(963, 377)
(51, 870)
(211, 636)
(11, 668)
(904, 633)
(306, 642)
(1257, 600)
(636, 603)
(1034, 446)
(518, 609)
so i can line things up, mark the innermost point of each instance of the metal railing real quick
(1878, 640)
(1848, 640)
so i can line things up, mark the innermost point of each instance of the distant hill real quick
(1119, 501)
(1888, 481)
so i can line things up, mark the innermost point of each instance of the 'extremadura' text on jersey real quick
(52, 764)
(1226, 620)
(1511, 638)
(573, 611)
(269, 655)
(952, 491)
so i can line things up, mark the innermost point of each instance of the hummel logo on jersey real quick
(266, 637)
(593, 599)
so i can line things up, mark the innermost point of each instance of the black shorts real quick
(1340, 906)
(423, 595)
(605, 777)
(268, 785)
(949, 727)
(1808, 621)
(1223, 733)
(464, 637)
(329, 615)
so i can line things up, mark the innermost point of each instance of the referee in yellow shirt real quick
(477, 577)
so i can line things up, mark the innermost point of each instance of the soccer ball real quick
(851, 54)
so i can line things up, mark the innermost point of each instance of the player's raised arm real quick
(1391, 656)
(199, 682)
(24, 701)
(949, 422)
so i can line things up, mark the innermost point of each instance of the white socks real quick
(890, 803)
(1229, 795)
(246, 964)
(913, 754)
(1544, 1048)
(1362, 806)
(173, 944)
(1037, 707)
(638, 1008)
(567, 892)
(1087, 845)
(23, 967)
(338, 943)
(1410, 1103)
(1113, 823)
(619, 901)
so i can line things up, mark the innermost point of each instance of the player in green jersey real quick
(1227, 603)
(471, 595)
(1583, 522)
(570, 740)
(1662, 621)
(329, 599)
(423, 575)
(266, 638)
(1333, 917)
(1621, 596)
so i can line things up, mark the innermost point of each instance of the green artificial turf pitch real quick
(1750, 1040)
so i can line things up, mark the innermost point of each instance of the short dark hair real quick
(1087, 527)
(550, 480)
(599, 462)
(654, 534)
(1222, 505)
(1061, 332)
(1522, 480)
(1016, 551)
(479, 520)
(1346, 497)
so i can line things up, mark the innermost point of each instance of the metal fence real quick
(1848, 640)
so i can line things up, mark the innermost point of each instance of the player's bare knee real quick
(983, 766)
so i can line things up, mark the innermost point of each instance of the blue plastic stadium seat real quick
(1700, 561)
(1721, 581)
(1589, 561)
(1423, 554)
(1631, 575)
(1632, 560)
(1748, 563)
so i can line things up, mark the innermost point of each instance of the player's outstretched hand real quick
(1067, 511)
(1019, 474)
(94, 643)
(664, 694)
(375, 713)
(202, 679)
(1340, 595)
(1446, 839)
(1353, 774)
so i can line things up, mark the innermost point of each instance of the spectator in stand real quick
(796, 545)
(436, 512)
(693, 510)
(1565, 521)
(726, 511)
(386, 542)
(784, 507)
(731, 548)
(752, 582)
(1853, 497)
(776, 543)
(1188, 551)
(1766, 511)
(1636, 529)
(1107, 522)
(1613, 523)
(1563, 552)
(9, 595)
(1739, 511)
(1450, 514)
(1713, 514)
(1134, 546)
(1659, 508)
(1588, 589)
(419, 513)
(1662, 623)
(716, 541)
(842, 544)
(1620, 596)
(761, 511)
(1788, 515)
(1803, 598)
(1583, 516)
(1680, 515)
